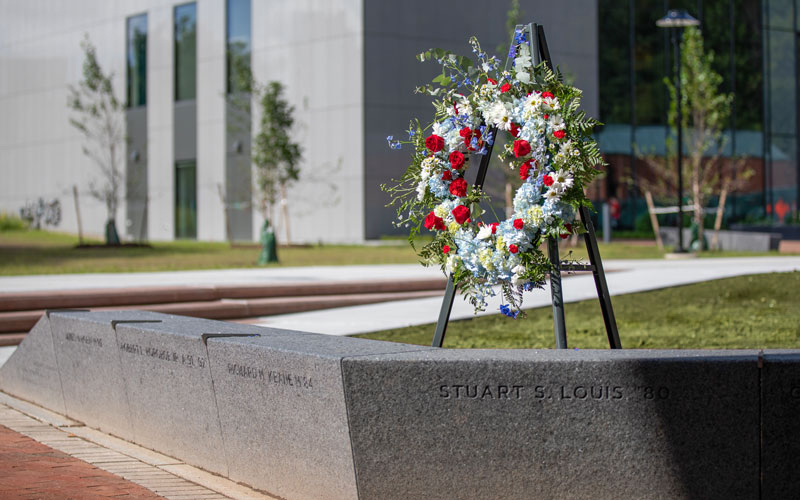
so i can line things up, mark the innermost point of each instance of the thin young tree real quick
(275, 156)
(99, 116)
(705, 111)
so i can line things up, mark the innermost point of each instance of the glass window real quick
(185, 51)
(186, 199)
(137, 60)
(238, 45)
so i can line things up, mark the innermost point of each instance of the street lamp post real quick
(678, 19)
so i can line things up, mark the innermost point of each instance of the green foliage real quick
(275, 156)
(9, 222)
(704, 105)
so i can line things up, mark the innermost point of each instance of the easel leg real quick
(444, 313)
(600, 281)
(559, 324)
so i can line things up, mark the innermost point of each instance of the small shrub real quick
(10, 222)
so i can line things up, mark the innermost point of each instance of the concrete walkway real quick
(624, 276)
(44, 455)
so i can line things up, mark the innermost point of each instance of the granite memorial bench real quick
(308, 416)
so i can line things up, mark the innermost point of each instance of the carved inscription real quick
(558, 392)
(84, 339)
(167, 355)
(271, 376)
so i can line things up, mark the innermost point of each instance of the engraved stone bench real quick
(307, 416)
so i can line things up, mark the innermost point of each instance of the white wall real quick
(316, 50)
(40, 153)
(160, 93)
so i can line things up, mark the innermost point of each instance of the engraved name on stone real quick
(84, 339)
(558, 392)
(187, 360)
(271, 376)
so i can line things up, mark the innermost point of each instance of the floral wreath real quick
(548, 140)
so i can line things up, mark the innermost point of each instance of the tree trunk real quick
(651, 208)
(285, 209)
(718, 221)
(78, 214)
(697, 195)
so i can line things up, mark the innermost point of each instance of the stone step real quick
(102, 297)
(14, 322)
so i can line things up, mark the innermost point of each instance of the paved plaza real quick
(90, 464)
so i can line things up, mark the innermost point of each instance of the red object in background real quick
(781, 209)
(614, 208)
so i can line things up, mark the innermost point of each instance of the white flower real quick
(556, 122)
(517, 279)
(523, 77)
(499, 115)
(561, 181)
(523, 61)
(484, 232)
(552, 194)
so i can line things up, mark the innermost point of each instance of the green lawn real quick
(40, 252)
(748, 312)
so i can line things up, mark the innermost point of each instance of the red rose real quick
(547, 94)
(461, 213)
(468, 134)
(559, 134)
(458, 188)
(521, 147)
(548, 181)
(524, 170)
(514, 129)
(445, 248)
(569, 227)
(513, 248)
(546, 116)
(565, 236)
(494, 227)
(434, 143)
(505, 88)
(492, 81)
(432, 222)
(519, 224)
(456, 159)
(446, 175)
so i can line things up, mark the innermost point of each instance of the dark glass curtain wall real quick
(755, 50)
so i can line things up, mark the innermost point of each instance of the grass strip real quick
(745, 312)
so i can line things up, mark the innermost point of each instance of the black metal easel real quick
(538, 45)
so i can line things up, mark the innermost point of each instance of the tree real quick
(275, 157)
(705, 112)
(99, 116)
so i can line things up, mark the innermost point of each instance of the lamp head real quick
(677, 18)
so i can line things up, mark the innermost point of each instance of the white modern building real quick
(348, 67)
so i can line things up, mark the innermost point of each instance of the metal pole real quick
(444, 313)
(559, 324)
(679, 153)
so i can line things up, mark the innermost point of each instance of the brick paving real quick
(31, 470)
